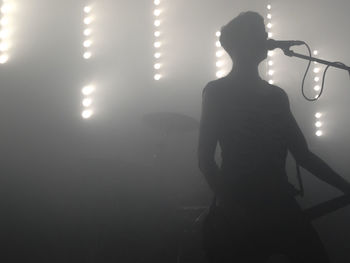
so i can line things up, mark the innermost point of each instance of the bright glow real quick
(219, 54)
(271, 72)
(157, 66)
(318, 124)
(269, 16)
(87, 114)
(87, 43)
(87, 102)
(4, 21)
(317, 88)
(316, 79)
(269, 25)
(4, 34)
(218, 33)
(87, 32)
(88, 20)
(88, 90)
(4, 46)
(157, 77)
(157, 55)
(271, 82)
(5, 8)
(157, 2)
(157, 44)
(319, 133)
(87, 55)
(220, 74)
(315, 52)
(318, 115)
(269, 7)
(219, 64)
(218, 44)
(269, 34)
(157, 34)
(157, 23)
(4, 58)
(270, 53)
(157, 12)
(87, 9)
(270, 63)
(316, 70)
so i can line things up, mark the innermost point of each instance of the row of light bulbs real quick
(6, 9)
(317, 88)
(157, 44)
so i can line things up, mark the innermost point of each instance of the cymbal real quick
(171, 122)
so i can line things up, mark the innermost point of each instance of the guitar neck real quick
(328, 207)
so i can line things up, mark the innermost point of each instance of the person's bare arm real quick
(298, 147)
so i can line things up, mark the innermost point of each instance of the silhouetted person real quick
(256, 213)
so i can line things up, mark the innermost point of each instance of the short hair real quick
(247, 26)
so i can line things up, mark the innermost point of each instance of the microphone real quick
(285, 44)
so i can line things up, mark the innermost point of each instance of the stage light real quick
(6, 8)
(156, 2)
(87, 55)
(157, 12)
(157, 34)
(88, 20)
(157, 23)
(219, 53)
(219, 64)
(218, 33)
(270, 63)
(87, 114)
(4, 58)
(4, 46)
(318, 124)
(269, 7)
(316, 79)
(157, 55)
(157, 66)
(269, 25)
(218, 44)
(87, 32)
(87, 9)
(271, 72)
(220, 74)
(269, 16)
(4, 21)
(4, 34)
(319, 133)
(317, 88)
(87, 102)
(318, 115)
(87, 43)
(157, 44)
(270, 53)
(157, 76)
(88, 90)
(315, 53)
(271, 82)
(316, 70)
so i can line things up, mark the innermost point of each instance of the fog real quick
(112, 187)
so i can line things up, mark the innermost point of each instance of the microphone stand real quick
(291, 53)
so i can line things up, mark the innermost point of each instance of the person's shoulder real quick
(277, 91)
(214, 86)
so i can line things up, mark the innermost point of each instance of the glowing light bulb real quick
(270, 53)
(271, 82)
(318, 124)
(87, 102)
(157, 34)
(4, 46)
(319, 133)
(157, 55)
(4, 21)
(87, 32)
(219, 54)
(269, 16)
(218, 44)
(157, 2)
(219, 64)
(316, 70)
(87, 9)
(157, 76)
(318, 115)
(87, 55)
(317, 88)
(4, 34)
(4, 58)
(157, 66)
(270, 63)
(157, 23)
(87, 114)
(315, 52)
(87, 43)
(269, 7)
(88, 90)
(6, 8)
(269, 34)
(218, 33)
(157, 12)
(220, 74)
(88, 20)
(316, 79)
(269, 25)
(271, 72)
(157, 44)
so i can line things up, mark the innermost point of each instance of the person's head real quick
(244, 38)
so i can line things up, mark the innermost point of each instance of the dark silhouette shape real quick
(256, 214)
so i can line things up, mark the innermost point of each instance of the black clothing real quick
(252, 122)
